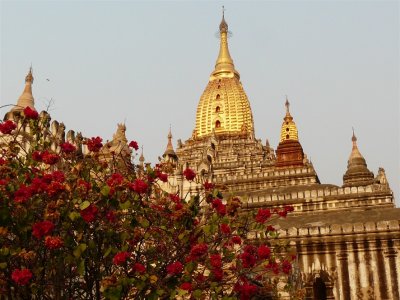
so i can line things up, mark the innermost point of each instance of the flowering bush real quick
(74, 227)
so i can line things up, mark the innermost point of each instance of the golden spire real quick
(289, 128)
(26, 98)
(224, 66)
(224, 108)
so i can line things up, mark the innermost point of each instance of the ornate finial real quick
(29, 77)
(353, 138)
(169, 133)
(287, 104)
(223, 27)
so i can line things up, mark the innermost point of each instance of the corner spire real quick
(170, 149)
(357, 173)
(26, 98)
(224, 66)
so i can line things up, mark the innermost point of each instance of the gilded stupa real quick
(224, 107)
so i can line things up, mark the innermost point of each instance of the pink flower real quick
(89, 214)
(189, 174)
(21, 277)
(134, 145)
(53, 242)
(41, 229)
(94, 144)
(7, 127)
(175, 268)
(120, 258)
(30, 113)
(67, 147)
(263, 215)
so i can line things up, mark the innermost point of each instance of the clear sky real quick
(147, 63)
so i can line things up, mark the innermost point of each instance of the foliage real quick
(83, 227)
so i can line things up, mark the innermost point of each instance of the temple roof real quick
(288, 128)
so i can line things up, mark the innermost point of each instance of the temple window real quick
(218, 96)
(287, 136)
(217, 109)
(217, 124)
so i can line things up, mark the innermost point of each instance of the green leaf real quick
(84, 205)
(125, 205)
(108, 251)
(197, 294)
(145, 223)
(74, 215)
(105, 190)
(4, 251)
(79, 250)
(3, 265)
(81, 267)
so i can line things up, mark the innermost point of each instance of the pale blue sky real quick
(148, 62)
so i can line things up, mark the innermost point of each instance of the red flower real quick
(89, 214)
(270, 228)
(225, 229)
(289, 208)
(37, 156)
(248, 259)
(115, 180)
(21, 277)
(273, 266)
(67, 147)
(162, 176)
(198, 250)
(263, 215)
(175, 268)
(187, 286)
(84, 185)
(7, 127)
(219, 207)
(286, 267)
(282, 213)
(30, 113)
(94, 144)
(208, 186)
(178, 206)
(22, 194)
(58, 176)
(216, 260)
(54, 188)
(134, 145)
(236, 240)
(246, 290)
(139, 186)
(138, 267)
(263, 252)
(41, 229)
(2, 161)
(111, 217)
(120, 258)
(189, 174)
(53, 242)
(49, 158)
(4, 181)
(218, 274)
(175, 198)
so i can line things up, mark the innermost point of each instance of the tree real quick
(78, 226)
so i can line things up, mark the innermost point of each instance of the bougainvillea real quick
(77, 227)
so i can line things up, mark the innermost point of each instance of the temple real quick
(347, 237)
